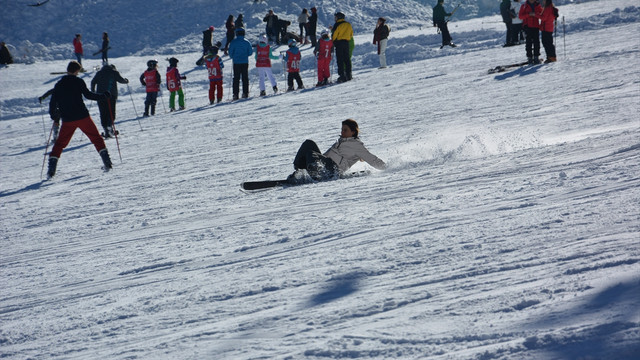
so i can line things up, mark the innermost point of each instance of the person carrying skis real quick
(336, 161)
(214, 69)
(263, 64)
(530, 13)
(239, 51)
(342, 34)
(439, 20)
(323, 53)
(77, 48)
(151, 80)
(547, 25)
(174, 85)
(293, 57)
(380, 36)
(67, 105)
(106, 80)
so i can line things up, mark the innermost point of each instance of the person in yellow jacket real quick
(342, 35)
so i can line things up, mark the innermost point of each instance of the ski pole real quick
(44, 127)
(564, 39)
(162, 99)
(46, 150)
(113, 125)
(134, 107)
(133, 103)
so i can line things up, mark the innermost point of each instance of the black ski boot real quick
(106, 160)
(53, 163)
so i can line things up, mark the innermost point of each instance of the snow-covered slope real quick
(506, 226)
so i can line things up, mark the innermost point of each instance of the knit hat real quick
(211, 28)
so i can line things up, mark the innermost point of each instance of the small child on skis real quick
(263, 63)
(151, 80)
(293, 57)
(174, 86)
(214, 69)
(323, 51)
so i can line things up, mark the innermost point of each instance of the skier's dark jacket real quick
(106, 79)
(439, 14)
(505, 11)
(67, 98)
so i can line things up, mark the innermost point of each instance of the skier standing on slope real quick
(439, 20)
(239, 51)
(214, 69)
(151, 80)
(342, 34)
(174, 85)
(380, 37)
(347, 151)
(547, 25)
(263, 64)
(67, 105)
(530, 13)
(293, 58)
(323, 54)
(105, 80)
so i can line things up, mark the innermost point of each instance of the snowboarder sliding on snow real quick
(263, 64)
(105, 80)
(323, 54)
(439, 20)
(67, 105)
(174, 85)
(293, 57)
(347, 151)
(214, 69)
(151, 80)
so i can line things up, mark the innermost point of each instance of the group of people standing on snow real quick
(532, 18)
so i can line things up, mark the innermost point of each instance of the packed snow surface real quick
(506, 226)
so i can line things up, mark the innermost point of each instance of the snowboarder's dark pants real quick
(533, 42)
(294, 76)
(444, 30)
(309, 153)
(343, 59)
(107, 116)
(547, 42)
(240, 70)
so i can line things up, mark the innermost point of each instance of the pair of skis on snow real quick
(503, 68)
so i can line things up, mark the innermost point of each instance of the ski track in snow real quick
(506, 226)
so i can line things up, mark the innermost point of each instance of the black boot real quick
(146, 110)
(106, 160)
(53, 163)
(153, 109)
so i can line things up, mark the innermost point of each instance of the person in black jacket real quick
(313, 25)
(67, 105)
(439, 15)
(380, 36)
(231, 33)
(207, 40)
(105, 48)
(507, 18)
(272, 27)
(105, 80)
(5, 55)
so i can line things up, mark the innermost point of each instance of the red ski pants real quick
(67, 129)
(323, 69)
(215, 85)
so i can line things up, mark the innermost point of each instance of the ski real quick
(503, 68)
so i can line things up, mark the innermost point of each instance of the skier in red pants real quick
(67, 104)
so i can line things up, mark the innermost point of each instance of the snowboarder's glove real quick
(126, 81)
(55, 115)
(184, 78)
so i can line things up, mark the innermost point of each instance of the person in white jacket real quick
(516, 32)
(347, 151)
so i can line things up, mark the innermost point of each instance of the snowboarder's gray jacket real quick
(348, 151)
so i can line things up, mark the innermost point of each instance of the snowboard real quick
(503, 68)
(253, 186)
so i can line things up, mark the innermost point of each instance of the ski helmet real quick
(291, 42)
(173, 61)
(324, 32)
(152, 63)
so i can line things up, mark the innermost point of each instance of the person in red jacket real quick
(293, 57)
(530, 14)
(174, 85)
(323, 52)
(214, 69)
(151, 79)
(77, 48)
(547, 25)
